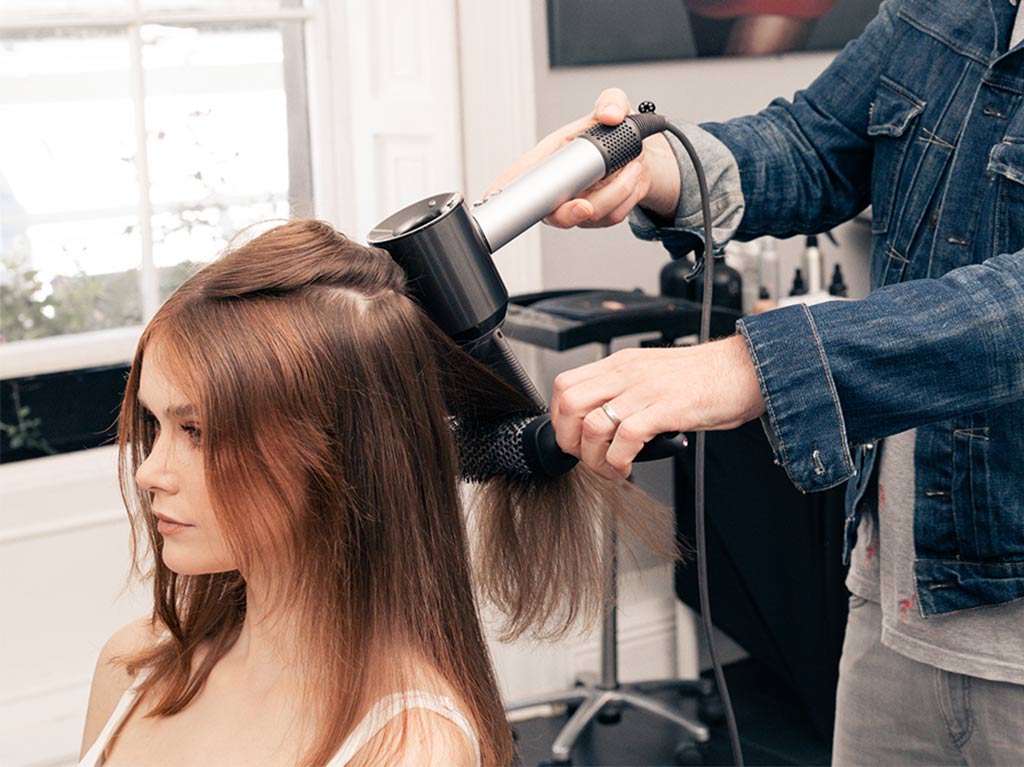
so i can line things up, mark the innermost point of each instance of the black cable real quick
(702, 567)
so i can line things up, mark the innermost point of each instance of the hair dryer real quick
(445, 248)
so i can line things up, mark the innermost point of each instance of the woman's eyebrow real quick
(186, 410)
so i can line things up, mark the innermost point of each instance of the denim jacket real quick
(921, 118)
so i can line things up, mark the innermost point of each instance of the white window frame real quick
(472, 129)
(327, 95)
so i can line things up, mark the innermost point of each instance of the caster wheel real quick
(611, 714)
(688, 754)
(711, 710)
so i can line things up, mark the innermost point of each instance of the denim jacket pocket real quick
(891, 115)
(1006, 167)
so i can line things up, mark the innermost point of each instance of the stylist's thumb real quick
(611, 106)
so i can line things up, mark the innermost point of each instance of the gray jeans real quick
(891, 710)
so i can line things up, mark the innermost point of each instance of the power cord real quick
(707, 262)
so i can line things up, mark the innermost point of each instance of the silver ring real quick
(610, 412)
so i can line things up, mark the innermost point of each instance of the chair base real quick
(592, 702)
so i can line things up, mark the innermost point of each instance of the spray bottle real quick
(812, 264)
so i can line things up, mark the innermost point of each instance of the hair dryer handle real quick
(663, 446)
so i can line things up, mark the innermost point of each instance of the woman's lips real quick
(167, 526)
(171, 528)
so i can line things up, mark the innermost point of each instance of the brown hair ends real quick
(326, 399)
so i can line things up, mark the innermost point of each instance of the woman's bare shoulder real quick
(418, 738)
(112, 676)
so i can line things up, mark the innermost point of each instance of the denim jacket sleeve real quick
(686, 230)
(850, 372)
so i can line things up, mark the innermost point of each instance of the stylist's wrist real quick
(662, 198)
(740, 387)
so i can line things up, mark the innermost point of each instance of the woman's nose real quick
(155, 473)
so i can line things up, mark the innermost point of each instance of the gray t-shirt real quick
(986, 642)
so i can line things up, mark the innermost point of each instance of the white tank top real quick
(382, 712)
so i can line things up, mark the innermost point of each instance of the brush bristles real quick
(493, 449)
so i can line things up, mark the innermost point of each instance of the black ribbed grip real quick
(617, 145)
(624, 142)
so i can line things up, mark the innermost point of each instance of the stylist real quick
(914, 396)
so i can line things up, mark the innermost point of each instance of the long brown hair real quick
(326, 399)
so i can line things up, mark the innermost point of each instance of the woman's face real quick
(173, 475)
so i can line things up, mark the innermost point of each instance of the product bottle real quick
(799, 286)
(672, 279)
(728, 287)
(838, 287)
(764, 302)
(812, 262)
(752, 273)
(770, 277)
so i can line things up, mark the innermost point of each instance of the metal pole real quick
(609, 625)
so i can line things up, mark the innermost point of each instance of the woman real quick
(287, 457)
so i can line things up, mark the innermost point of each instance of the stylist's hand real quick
(706, 387)
(651, 180)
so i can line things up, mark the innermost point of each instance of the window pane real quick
(68, 190)
(12, 8)
(218, 135)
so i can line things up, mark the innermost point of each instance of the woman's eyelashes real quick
(194, 433)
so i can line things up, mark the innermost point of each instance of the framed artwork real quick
(592, 32)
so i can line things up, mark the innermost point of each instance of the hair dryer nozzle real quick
(449, 267)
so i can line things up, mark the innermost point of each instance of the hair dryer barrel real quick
(602, 149)
(511, 210)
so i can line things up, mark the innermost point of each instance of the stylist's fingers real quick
(572, 213)
(573, 406)
(598, 430)
(612, 202)
(569, 379)
(591, 209)
(611, 108)
(635, 431)
(602, 427)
